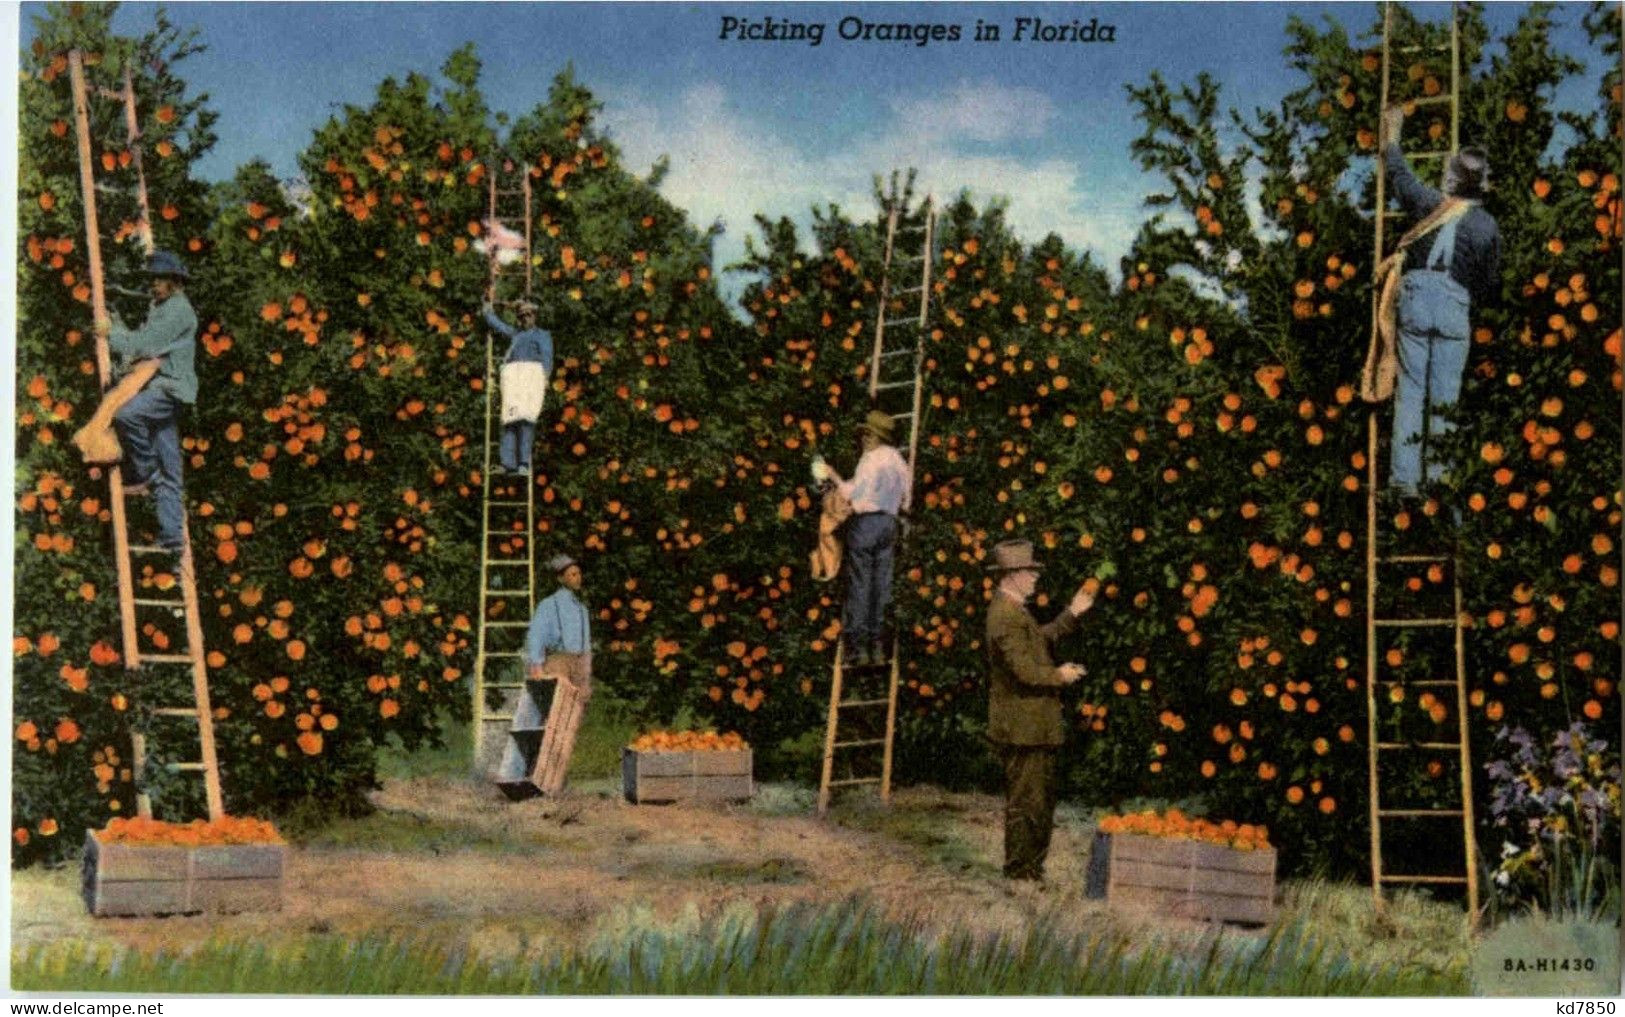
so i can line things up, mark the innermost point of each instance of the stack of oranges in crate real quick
(225, 830)
(1175, 825)
(688, 741)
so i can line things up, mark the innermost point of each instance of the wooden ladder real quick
(899, 343)
(507, 545)
(132, 605)
(1401, 756)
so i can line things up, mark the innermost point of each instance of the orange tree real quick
(71, 698)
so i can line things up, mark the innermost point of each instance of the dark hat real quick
(1468, 173)
(559, 562)
(167, 263)
(1013, 556)
(880, 424)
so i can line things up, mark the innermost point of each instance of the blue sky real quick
(776, 127)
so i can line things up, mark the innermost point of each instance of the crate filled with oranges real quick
(144, 866)
(687, 766)
(1177, 865)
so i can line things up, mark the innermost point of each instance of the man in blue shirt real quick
(149, 424)
(525, 370)
(1451, 262)
(558, 647)
(879, 491)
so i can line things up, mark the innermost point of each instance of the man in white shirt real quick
(879, 491)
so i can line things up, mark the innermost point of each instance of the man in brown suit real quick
(1024, 717)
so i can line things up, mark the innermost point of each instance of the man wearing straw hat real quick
(1024, 718)
(879, 491)
(525, 370)
(148, 424)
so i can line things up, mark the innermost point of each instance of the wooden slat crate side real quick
(231, 895)
(1194, 906)
(674, 764)
(239, 861)
(133, 899)
(731, 787)
(134, 862)
(723, 764)
(1208, 881)
(1166, 851)
(1165, 875)
(159, 879)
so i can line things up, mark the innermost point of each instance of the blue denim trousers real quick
(518, 437)
(1433, 345)
(149, 429)
(871, 542)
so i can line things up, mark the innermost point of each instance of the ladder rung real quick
(888, 385)
(1417, 813)
(900, 322)
(189, 767)
(850, 703)
(504, 685)
(1417, 559)
(505, 593)
(902, 416)
(854, 780)
(1441, 154)
(908, 292)
(887, 355)
(497, 716)
(164, 658)
(507, 504)
(176, 711)
(506, 624)
(1445, 48)
(143, 602)
(1424, 746)
(1421, 683)
(1423, 879)
(1401, 623)
(1432, 100)
(149, 549)
(504, 653)
(859, 743)
(507, 562)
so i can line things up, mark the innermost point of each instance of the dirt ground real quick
(457, 861)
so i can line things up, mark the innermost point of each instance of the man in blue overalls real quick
(1444, 275)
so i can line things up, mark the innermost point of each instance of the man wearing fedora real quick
(149, 424)
(525, 369)
(879, 491)
(1024, 717)
(1451, 261)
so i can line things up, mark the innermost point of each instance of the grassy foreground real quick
(831, 949)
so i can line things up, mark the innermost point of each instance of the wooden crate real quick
(1183, 878)
(162, 879)
(686, 776)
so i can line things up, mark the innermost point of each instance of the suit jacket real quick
(1024, 695)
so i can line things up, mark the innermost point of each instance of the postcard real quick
(839, 499)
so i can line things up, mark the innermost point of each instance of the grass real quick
(843, 948)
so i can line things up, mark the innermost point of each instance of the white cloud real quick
(983, 111)
(729, 165)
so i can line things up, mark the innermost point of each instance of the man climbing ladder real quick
(878, 493)
(1420, 335)
(160, 379)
